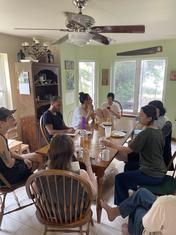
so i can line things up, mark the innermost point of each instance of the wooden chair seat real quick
(43, 130)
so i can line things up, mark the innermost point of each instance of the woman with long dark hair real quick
(60, 156)
(84, 111)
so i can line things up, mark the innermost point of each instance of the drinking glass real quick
(105, 154)
(108, 131)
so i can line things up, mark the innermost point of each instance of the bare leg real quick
(125, 229)
(113, 212)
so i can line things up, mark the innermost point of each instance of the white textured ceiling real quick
(159, 17)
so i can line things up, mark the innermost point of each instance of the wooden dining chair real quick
(62, 199)
(120, 105)
(9, 188)
(43, 130)
(168, 185)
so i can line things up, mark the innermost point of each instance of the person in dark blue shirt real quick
(53, 119)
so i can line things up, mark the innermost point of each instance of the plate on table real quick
(118, 134)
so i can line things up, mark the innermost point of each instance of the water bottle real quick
(83, 123)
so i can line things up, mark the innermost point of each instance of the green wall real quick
(106, 55)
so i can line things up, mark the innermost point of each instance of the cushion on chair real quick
(167, 186)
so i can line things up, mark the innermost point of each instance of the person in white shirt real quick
(85, 110)
(109, 109)
(148, 215)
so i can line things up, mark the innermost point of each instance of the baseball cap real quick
(4, 113)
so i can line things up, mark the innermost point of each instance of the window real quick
(5, 94)
(87, 78)
(135, 83)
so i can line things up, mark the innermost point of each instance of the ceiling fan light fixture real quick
(80, 38)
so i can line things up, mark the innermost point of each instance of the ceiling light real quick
(80, 38)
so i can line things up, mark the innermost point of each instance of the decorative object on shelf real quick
(20, 55)
(173, 76)
(50, 56)
(69, 64)
(105, 77)
(24, 86)
(36, 50)
(70, 83)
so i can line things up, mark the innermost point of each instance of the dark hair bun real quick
(83, 97)
(159, 105)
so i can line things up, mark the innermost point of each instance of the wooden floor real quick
(25, 223)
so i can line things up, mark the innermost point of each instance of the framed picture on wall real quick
(24, 86)
(105, 77)
(173, 76)
(70, 82)
(69, 64)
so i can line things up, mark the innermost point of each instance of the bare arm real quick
(117, 147)
(5, 154)
(51, 131)
(117, 114)
(89, 175)
(90, 113)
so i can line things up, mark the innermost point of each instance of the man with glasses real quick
(13, 166)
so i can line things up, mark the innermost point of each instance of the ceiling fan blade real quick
(100, 38)
(61, 40)
(119, 29)
(34, 29)
(144, 51)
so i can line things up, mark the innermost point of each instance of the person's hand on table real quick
(107, 143)
(71, 130)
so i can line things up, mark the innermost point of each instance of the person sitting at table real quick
(149, 143)
(147, 213)
(53, 119)
(161, 111)
(133, 161)
(109, 109)
(14, 167)
(83, 113)
(62, 158)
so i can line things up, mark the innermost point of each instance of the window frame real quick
(5, 76)
(95, 84)
(137, 84)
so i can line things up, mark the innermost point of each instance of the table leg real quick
(99, 196)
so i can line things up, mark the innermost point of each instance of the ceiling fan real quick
(81, 30)
(143, 51)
